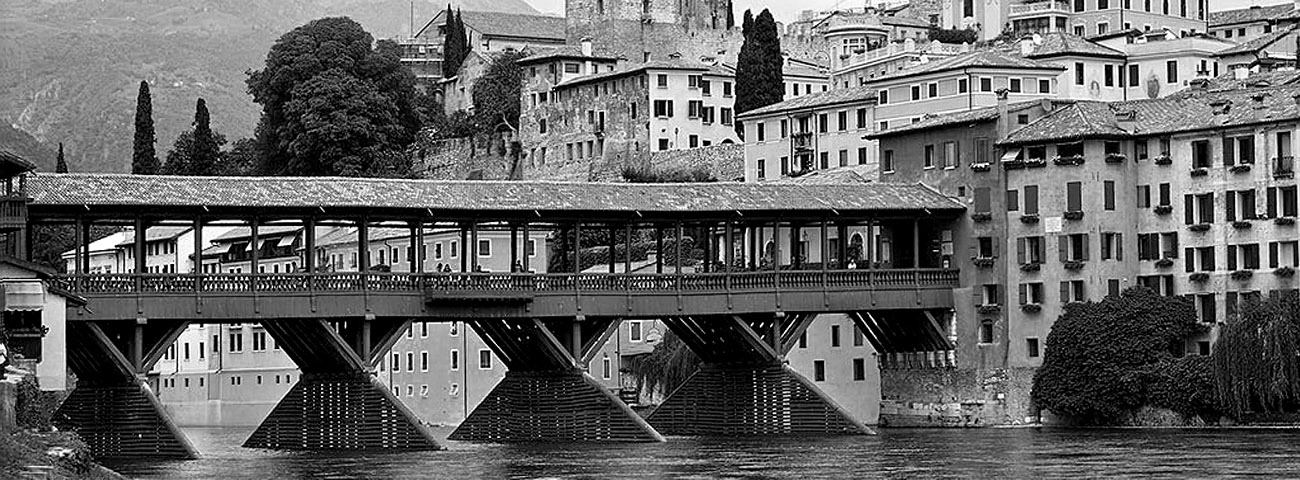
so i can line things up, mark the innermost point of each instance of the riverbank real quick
(56, 455)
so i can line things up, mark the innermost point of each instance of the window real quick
(1144, 196)
(986, 332)
(1243, 257)
(1031, 200)
(663, 108)
(410, 361)
(1133, 77)
(1198, 208)
(1031, 293)
(571, 68)
(605, 367)
(819, 371)
(859, 370)
(803, 340)
(1112, 246)
(727, 117)
(862, 155)
(726, 89)
(916, 92)
(1078, 73)
(1171, 71)
(862, 118)
(1015, 85)
(236, 343)
(762, 169)
(882, 97)
(962, 85)
(1239, 150)
(835, 335)
(1073, 247)
(843, 121)
(887, 162)
(454, 361)
(1108, 194)
(1022, 119)
(761, 131)
(986, 84)
(1199, 259)
(1201, 154)
(950, 154)
(1044, 86)
(1013, 200)
(983, 201)
(1240, 204)
(823, 123)
(1031, 347)
(1281, 201)
(662, 80)
(986, 247)
(1109, 75)
(663, 144)
(1072, 291)
(1283, 254)
(929, 156)
(825, 160)
(634, 330)
(858, 338)
(484, 359)
(844, 158)
(396, 363)
(989, 295)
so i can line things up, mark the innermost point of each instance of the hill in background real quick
(70, 69)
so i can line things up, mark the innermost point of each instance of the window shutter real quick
(1024, 294)
(1119, 246)
(996, 241)
(1189, 209)
(1041, 250)
(1231, 203)
(1228, 153)
(1087, 245)
(1065, 292)
(1232, 257)
(1173, 245)
(1271, 193)
(1190, 260)
(978, 294)
(1020, 251)
(956, 154)
(1063, 247)
(1272, 254)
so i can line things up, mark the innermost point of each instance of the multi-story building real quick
(1242, 25)
(1271, 51)
(488, 32)
(809, 133)
(1101, 183)
(643, 31)
(1080, 17)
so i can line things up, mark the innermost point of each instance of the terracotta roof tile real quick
(818, 99)
(986, 57)
(1252, 14)
(1259, 43)
(1055, 44)
(516, 25)
(931, 120)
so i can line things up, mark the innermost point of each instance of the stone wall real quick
(934, 397)
(724, 162)
(8, 402)
(478, 158)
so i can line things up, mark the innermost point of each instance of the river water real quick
(1030, 453)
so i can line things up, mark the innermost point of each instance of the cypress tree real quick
(144, 160)
(61, 166)
(206, 154)
(455, 45)
(731, 15)
(747, 24)
(759, 81)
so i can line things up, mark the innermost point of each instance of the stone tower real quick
(642, 30)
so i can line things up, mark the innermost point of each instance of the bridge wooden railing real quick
(450, 283)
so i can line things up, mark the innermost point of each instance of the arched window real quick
(986, 331)
(856, 252)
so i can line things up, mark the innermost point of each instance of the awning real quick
(287, 241)
(1010, 155)
(24, 296)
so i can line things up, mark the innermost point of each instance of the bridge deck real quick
(244, 297)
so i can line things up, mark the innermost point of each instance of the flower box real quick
(1029, 219)
(1164, 209)
(1199, 277)
(1073, 265)
(1243, 168)
(1071, 160)
(980, 167)
(1283, 174)
(1013, 164)
(1031, 267)
(1164, 159)
(1116, 158)
(1073, 216)
(981, 217)
(1164, 263)
(989, 309)
(1242, 275)
(983, 262)
(1036, 163)
(1241, 225)
(1031, 308)
(1284, 221)
(1284, 272)
(1200, 172)
(1200, 227)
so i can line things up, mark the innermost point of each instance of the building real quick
(34, 320)
(488, 32)
(1080, 17)
(1242, 25)
(643, 31)
(1271, 51)
(809, 133)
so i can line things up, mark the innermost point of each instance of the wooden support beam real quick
(593, 345)
(473, 247)
(514, 248)
(659, 250)
(528, 241)
(753, 339)
(138, 245)
(464, 249)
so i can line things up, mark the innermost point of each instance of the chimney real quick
(1241, 71)
(1296, 98)
(1199, 84)
(1004, 113)
(1027, 45)
(586, 45)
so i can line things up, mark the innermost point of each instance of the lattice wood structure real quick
(546, 395)
(908, 338)
(743, 387)
(337, 404)
(112, 408)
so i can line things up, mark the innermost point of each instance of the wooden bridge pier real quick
(337, 403)
(547, 394)
(743, 388)
(112, 408)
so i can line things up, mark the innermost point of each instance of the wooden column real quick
(413, 260)
(627, 248)
(795, 242)
(826, 246)
(528, 239)
(577, 248)
(85, 246)
(871, 243)
(309, 244)
(473, 246)
(363, 245)
(916, 244)
(678, 257)
(613, 242)
(197, 269)
(256, 254)
(514, 247)
(78, 249)
(776, 254)
(728, 237)
(843, 231)
(420, 251)
(659, 248)
(138, 246)
(464, 249)
(709, 254)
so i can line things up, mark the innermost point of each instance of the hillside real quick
(69, 69)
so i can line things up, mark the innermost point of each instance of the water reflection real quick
(987, 453)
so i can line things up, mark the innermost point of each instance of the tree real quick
(197, 151)
(455, 44)
(331, 103)
(61, 165)
(240, 160)
(1100, 356)
(759, 80)
(144, 160)
(496, 94)
(953, 35)
(731, 15)
(747, 25)
(1255, 363)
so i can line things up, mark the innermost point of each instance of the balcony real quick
(13, 213)
(802, 142)
(1038, 8)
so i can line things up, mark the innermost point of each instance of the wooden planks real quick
(553, 406)
(122, 421)
(349, 412)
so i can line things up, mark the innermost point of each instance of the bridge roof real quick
(55, 195)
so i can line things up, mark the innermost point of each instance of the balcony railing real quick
(1038, 7)
(481, 283)
(13, 212)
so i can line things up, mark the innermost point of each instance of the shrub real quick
(953, 35)
(1185, 385)
(1097, 352)
(34, 408)
(1255, 363)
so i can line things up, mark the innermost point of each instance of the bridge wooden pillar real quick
(547, 395)
(528, 240)
(112, 408)
(338, 404)
(743, 387)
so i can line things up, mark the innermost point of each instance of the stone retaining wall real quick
(946, 397)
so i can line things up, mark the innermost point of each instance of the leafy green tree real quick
(953, 35)
(240, 160)
(759, 79)
(496, 94)
(196, 151)
(331, 102)
(1255, 362)
(665, 368)
(144, 160)
(1099, 355)
(61, 165)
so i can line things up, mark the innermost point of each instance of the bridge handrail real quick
(170, 283)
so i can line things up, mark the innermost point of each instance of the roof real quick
(1271, 78)
(265, 231)
(1060, 43)
(642, 67)
(1252, 14)
(852, 174)
(815, 100)
(1259, 43)
(516, 25)
(11, 165)
(568, 52)
(153, 234)
(1123, 32)
(904, 21)
(982, 58)
(931, 120)
(123, 194)
(1181, 112)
